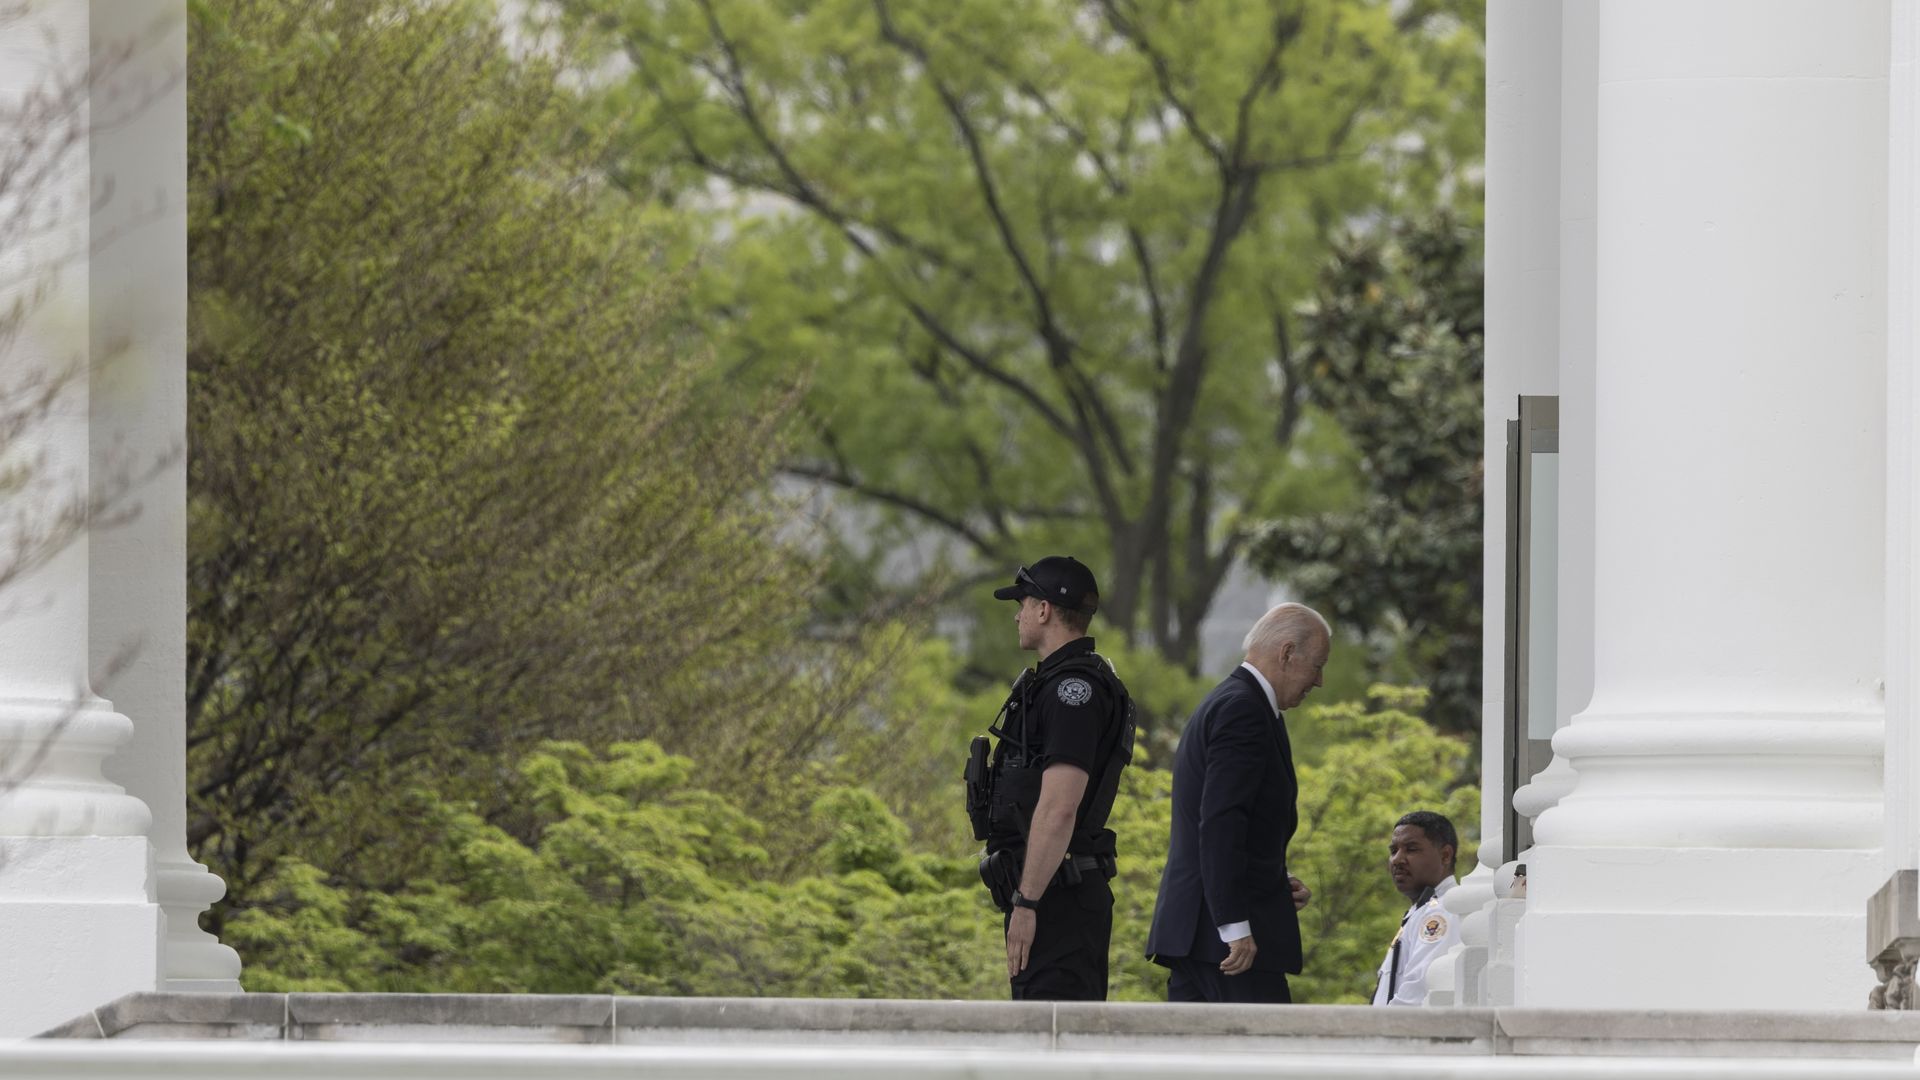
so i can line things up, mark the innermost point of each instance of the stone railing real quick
(456, 1061)
(320, 1036)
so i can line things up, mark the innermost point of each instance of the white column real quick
(1573, 657)
(1522, 320)
(1522, 297)
(1903, 450)
(1721, 840)
(1579, 223)
(138, 568)
(1893, 919)
(78, 925)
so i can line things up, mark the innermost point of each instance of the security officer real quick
(1041, 800)
(1420, 858)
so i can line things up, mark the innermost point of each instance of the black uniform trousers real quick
(1202, 980)
(1072, 930)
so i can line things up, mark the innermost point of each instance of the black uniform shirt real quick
(1074, 718)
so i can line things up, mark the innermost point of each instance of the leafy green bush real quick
(626, 876)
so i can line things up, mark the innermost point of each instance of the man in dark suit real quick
(1227, 920)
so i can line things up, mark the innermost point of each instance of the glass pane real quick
(1543, 596)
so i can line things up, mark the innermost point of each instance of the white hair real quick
(1297, 623)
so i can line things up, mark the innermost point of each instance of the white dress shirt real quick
(1233, 932)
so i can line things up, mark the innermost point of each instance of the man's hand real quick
(1240, 953)
(1019, 939)
(1301, 894)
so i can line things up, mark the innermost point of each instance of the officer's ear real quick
(1448, 853)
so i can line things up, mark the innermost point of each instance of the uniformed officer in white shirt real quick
(1420, 858)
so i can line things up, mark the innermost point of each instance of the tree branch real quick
(841, 479)
(1059, 346)
(1163, 76)
(803, 193)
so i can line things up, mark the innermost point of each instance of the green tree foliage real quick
(1047, 251)
(624, 875)
(1382, 761)
(505, 667)
(1396, 351)
(454, 486)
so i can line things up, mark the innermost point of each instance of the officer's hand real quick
(1239, 956)
(1019, 939)
(1301, 894)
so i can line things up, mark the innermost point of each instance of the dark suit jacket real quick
(1234, 812)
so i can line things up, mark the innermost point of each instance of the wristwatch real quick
(1022, 901)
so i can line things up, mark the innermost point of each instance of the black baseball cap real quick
(1060, 580)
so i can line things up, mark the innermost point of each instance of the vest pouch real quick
(1016, 793)
(979, 779)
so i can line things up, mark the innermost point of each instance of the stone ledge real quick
(509, 1018)
(642, 1021)
(1675, 1033)
(1267, 1028)
(833, 1014)
(983, 1025)
(186, 1016)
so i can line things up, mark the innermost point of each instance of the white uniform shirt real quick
(1426, 932)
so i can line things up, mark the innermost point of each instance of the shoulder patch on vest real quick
(1432, 928)
(1074, 690)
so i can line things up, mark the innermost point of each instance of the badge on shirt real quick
(1074, 691)
(1433, 929)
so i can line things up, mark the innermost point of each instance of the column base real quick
(64, 959)
(194, 961)
(1695, 928)
(78, 927)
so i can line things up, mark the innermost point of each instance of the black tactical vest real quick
(1003, 791)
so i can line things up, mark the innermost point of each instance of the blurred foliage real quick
(623, 874)
(1046, 253)
(455, 485)
(510, 667)
(1396, 349)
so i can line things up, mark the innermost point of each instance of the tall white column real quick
(1579, 234)
(1522, 325)
(1903, 448)
(1522, 320)
(139, 430)
(1893, 915)
(78, 925)
(1721, 840)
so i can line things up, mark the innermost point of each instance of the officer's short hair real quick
(1439, 830)
(1076, 622)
